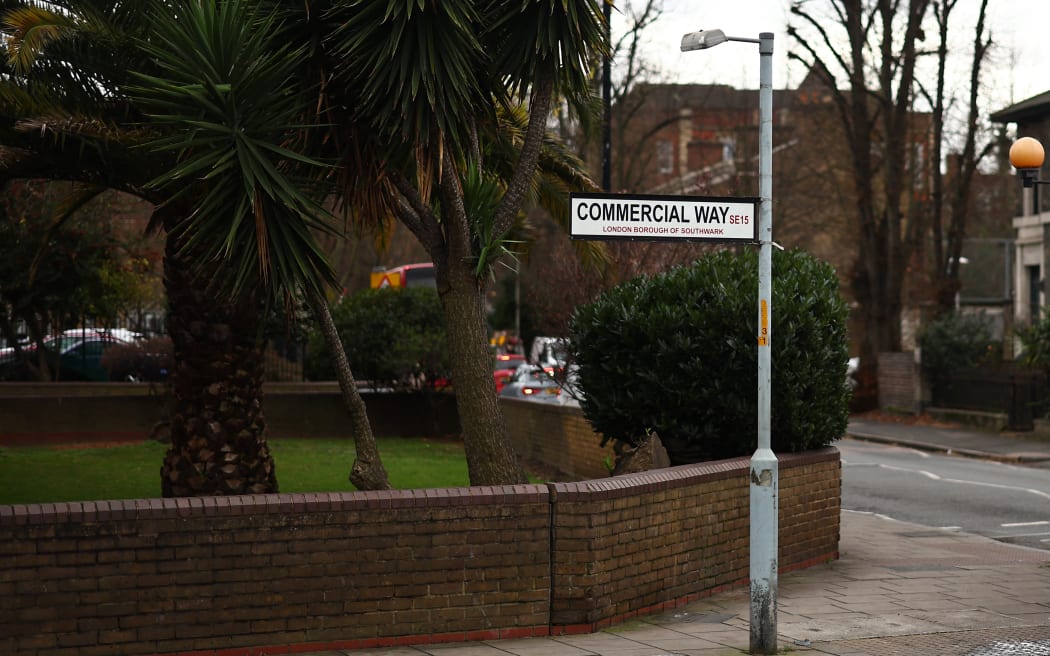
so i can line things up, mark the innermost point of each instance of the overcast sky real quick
(1020, 67)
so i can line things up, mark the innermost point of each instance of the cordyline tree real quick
(416, 110)
(66, 114)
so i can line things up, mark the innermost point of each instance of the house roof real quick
(710, 96)
(1034, 107)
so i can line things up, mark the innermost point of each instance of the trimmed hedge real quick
(676, 354)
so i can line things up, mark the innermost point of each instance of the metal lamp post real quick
(764, 469)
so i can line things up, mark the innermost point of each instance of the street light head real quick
(1027, 156)
(1027, 153)
(703, 39)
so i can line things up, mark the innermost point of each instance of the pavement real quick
(897, 588)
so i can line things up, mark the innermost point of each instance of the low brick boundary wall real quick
(558, 436)
(290, 573)
(58, 413)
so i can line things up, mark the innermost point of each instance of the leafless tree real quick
(873, 46)
(947, 240)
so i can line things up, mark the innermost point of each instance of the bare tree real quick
(947, 242)
(874, 46)
(631, 70)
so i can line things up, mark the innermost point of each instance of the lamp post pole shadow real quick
(764, 524)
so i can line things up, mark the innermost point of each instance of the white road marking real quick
(1016, 524)
(936, 477)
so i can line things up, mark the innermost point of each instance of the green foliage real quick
(54, 274)
(955, 341)
(224, 100)
(676, 354)
(392, 337)
(1035, 343)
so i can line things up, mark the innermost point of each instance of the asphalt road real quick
(1010, 503)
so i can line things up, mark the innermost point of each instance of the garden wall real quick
(559, 437)
(35, 413)
(289, 573)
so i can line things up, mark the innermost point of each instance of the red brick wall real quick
(638, 544)
(354, 570)
(898, 382)
(557, 436)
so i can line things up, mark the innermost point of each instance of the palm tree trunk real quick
(218, 442)
(490, 460)
(367, 472)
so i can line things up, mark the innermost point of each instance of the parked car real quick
(75, 355)
(532, 383)
(504, 368)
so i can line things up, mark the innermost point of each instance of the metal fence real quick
(1018, 392)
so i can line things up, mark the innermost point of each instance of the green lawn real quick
(38, 474)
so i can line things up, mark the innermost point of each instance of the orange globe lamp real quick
(1027, 156)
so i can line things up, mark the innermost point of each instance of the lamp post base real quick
(764, 551)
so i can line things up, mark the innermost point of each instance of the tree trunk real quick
(367, 472)
(490, 460)
(218, 442)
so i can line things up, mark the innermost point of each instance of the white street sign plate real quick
(663, 218)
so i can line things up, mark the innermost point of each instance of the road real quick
(1006, 502)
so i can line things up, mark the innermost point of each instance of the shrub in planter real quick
(676, 354)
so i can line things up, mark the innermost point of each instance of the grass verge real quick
(45, 474)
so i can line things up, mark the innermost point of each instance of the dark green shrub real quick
(393, 338)
(956, 341)
(676, 354)
(1035, 343)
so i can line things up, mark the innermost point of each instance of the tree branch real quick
(530, 153)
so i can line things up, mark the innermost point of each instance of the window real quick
(665, 156)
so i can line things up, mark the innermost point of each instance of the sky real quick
(1018, 69)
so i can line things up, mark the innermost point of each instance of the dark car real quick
(74, 356)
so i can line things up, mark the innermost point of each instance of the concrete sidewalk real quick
(898, 588)
(1021, 448)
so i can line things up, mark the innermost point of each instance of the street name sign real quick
(663, 218)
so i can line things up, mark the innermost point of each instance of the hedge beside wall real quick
(289, 573)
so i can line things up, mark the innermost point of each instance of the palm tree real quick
(427, 82)
(410, 97)
(81, 104)
(405, 108)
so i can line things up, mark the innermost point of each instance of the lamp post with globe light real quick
(764, 467)
(1027, 156)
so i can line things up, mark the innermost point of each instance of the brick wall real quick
(634, 545)
(557, 436)
(899, 382)
(285, 573)
(35, 413)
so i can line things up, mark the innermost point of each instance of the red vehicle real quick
(506, 365)
(406, 275)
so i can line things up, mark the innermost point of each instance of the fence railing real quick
(1019, 392)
